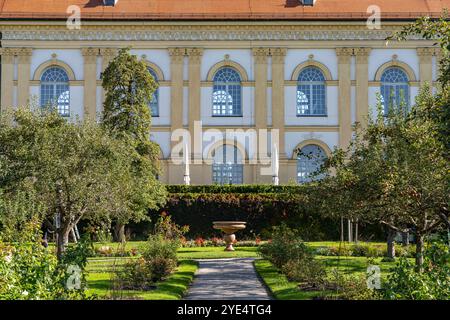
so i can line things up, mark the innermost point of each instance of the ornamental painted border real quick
(197, 35)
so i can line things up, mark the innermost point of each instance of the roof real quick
(220, 9)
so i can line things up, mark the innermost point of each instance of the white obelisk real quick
(187, 176)
(275, 165)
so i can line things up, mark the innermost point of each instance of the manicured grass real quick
(283, 289)
(173, 288)
(216, 253)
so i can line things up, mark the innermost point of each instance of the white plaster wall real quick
(159, 57)
(241, 56)
(291, 118)
(71, 57)
(99, 102)
(294, 138)
(186, 106)
(353, 68)
(163, 140)
(99, 67)
(15, 68)
(378, 57)
(269, 106)
(247, 109)
(14, 96)
(294, 57)
(76, 101)
(353, 103)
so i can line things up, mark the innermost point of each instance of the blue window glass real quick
(311, 93)
(55, 91)
(227, 165)
(227, 93)
(394, 88)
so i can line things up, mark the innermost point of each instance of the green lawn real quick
(173, 288)
(283, 289)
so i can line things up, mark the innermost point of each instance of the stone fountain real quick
(229, 228)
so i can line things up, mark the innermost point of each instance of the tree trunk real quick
(342, 229)
(62, 238)
(356, 231)
(391, 243)
(349, 226)
(419, 252)
(119, 232)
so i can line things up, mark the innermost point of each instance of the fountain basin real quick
(229, 228)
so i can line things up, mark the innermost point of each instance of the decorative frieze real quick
(198, 33)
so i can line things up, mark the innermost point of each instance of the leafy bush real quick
(29, 271)
(352, 287)
(134, 275)
(285, 245)
(406, 282)
(308, 271)
(161, 256)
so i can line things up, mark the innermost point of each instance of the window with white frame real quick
(154, 103)
(227, 165)
(394, 88)
(311, 93)
(227, 93)
(55, 92)
(309, 160)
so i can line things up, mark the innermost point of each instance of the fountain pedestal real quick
(229, 228)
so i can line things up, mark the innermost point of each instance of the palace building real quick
(307, 69)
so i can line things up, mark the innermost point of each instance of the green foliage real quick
(285, 245)
(310, 272)
(129, 88)
(351, 287)
(394, 173)
(406, 283)
(29, 271)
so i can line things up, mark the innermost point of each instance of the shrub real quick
(134, 275)
(286, 245)
(406, 282)
(29, 271)
(308, 271)
(352, 287)
(161, 256)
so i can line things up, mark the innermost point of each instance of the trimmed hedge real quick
(261, 206)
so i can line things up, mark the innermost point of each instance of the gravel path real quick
(227, 279)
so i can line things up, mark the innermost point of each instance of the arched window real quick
(394, 88)
(55, 90)
(227, 93)
(227, 166)
(309, 160)
(311, 93)
(154, 103)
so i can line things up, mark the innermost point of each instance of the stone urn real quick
(229, 228)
